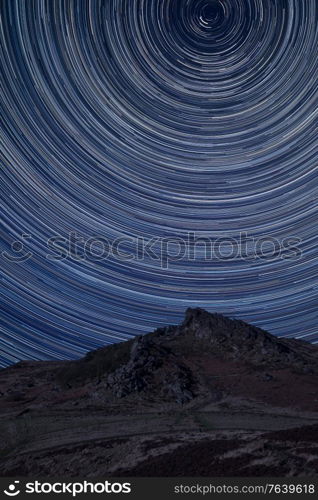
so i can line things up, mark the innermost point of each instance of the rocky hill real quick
(173, 364)
(213, 388)
(166, 362)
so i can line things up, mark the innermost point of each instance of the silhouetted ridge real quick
(211, 394)
(235, 336)
(160, 363)
(201, 323)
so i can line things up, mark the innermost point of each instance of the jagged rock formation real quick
(161, 363)
(154, 367)
(238, 340)
(178, 364)
(199, 398)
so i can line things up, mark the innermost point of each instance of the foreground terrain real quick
(210, 397)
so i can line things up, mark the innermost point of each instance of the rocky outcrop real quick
(165, 364)
(152, 368)
(159, 362)
(235, 339)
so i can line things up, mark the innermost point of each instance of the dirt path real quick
(48, 433)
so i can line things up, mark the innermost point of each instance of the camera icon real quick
(19, 252)
(13, 491)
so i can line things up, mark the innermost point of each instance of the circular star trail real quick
(155, 119)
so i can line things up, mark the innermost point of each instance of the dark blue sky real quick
(163, 122)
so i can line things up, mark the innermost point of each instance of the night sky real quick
(155, 119)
